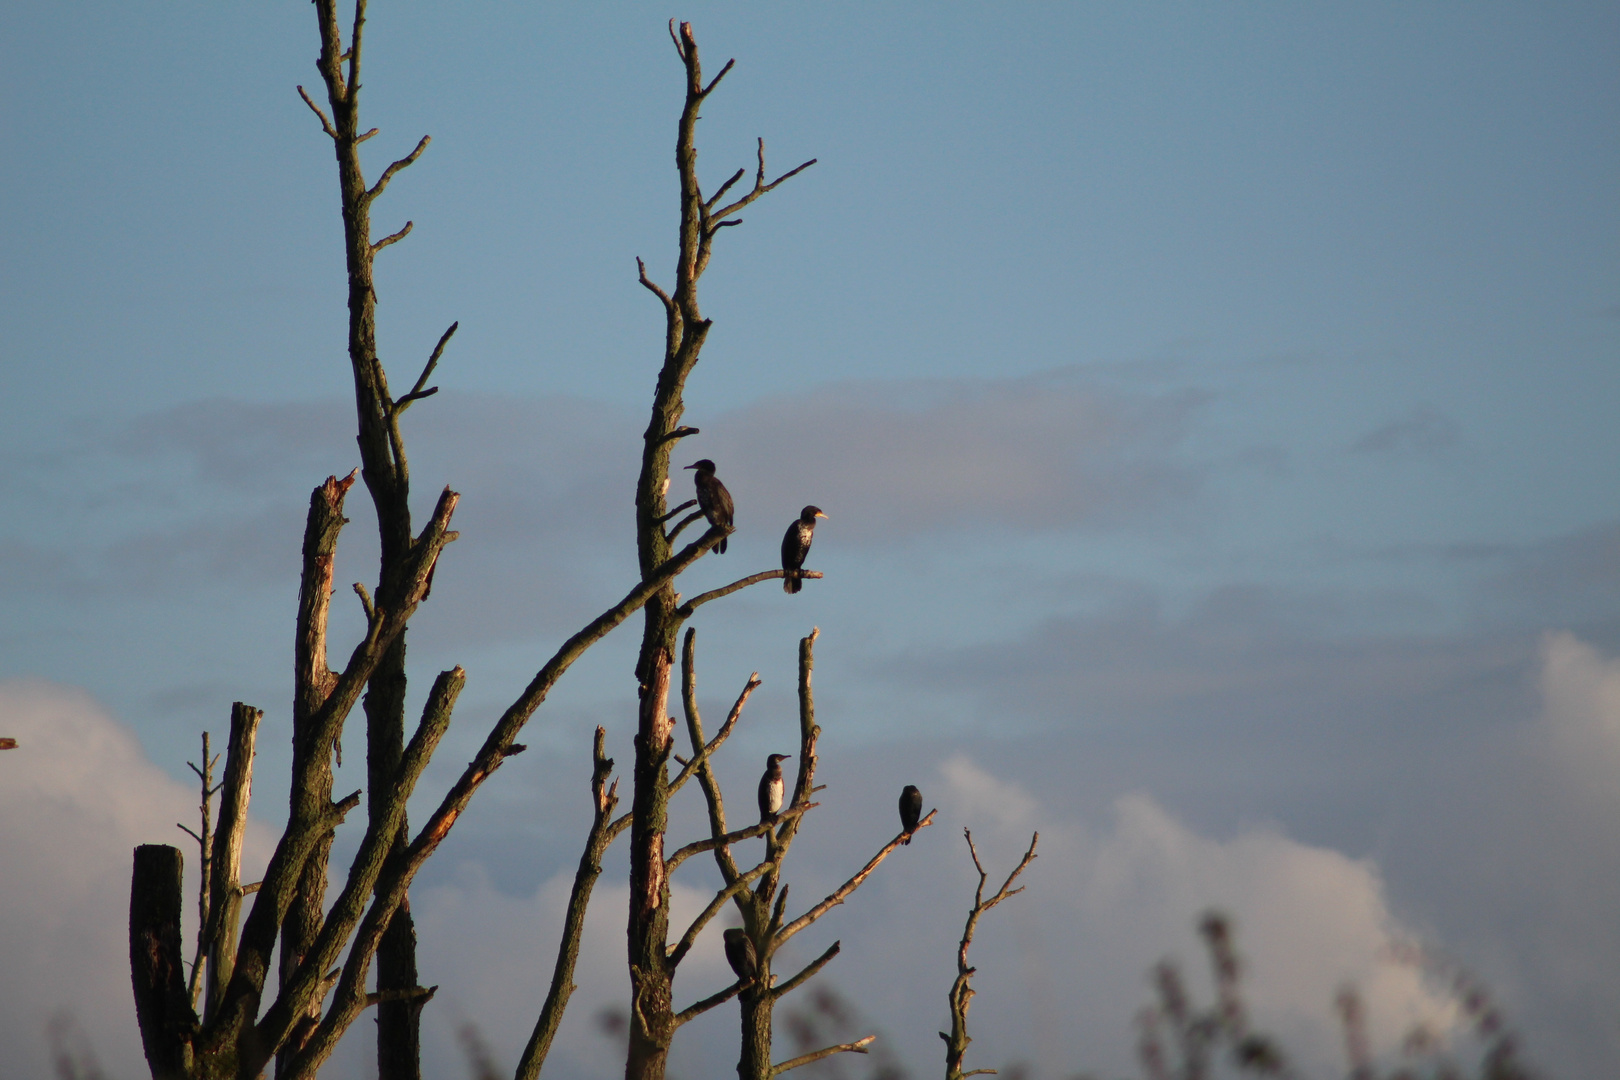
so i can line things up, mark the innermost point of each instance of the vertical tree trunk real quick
(157, 968)
(754, 1063)
(652, 1014)
(398, 1030)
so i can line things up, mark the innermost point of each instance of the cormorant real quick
(771, 787)
(713, 499)
(910, 810)
(796, 545)
(740, 955)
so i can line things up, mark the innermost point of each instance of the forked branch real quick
(961, 995)
(760, 188)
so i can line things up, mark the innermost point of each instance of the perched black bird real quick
(796, 545)
(910, 810)
(713, 499)
(771, 787)
(740, 955)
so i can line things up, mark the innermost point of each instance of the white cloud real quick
(1581, 712)
(492, 955)
(1063, 967)
(76, 797)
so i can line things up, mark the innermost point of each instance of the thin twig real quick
(693, 1011)
(760, 186)
(326, 125)
(393, 238)
(839, 895)
(857, 1047)
(713, 744)
(652, 286)
(684, 522)
(687, 505)
(697, 847)
(809, 971)
(707, 90)
(417, 393)
(691, 605)
(403, 163)
(688, 939)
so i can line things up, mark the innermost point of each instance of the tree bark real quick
(157, 967)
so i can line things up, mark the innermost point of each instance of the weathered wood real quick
(156, 965)
(603, 801)
(961, 995)
(225, 908)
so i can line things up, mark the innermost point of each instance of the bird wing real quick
(724, 512)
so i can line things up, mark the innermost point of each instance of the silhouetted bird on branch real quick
(910, 810)
(771, 787)
(796, 545)
(740, 955)
(713, 499)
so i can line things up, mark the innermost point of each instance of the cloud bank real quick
(76, 797)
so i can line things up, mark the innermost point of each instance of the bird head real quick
(703, 466)
(774, 760)
(809, 514)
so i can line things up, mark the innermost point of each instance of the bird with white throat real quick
(771, 787)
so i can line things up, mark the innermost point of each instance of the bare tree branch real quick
(226, 890)
(326, 125)
(707, 90)
(406, 162)
(709, 844)
(693, 604)
(839, 895)
(694, 730)
(701, 758)
(417, 393)
(652, 286)
(393, 238)
(697, 1009)
(684, 946)
(859, 1046)
(205, 840)
(809, 971)
(760, 186)
(961, 995)
(683, 523)
(603, 801)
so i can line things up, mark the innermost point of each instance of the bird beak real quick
(691, 466)
(819, 514)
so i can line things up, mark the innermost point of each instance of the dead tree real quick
(763, 905)
(325, 954)
(653, 1018)
(961, 996)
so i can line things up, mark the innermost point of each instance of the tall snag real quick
(326, 952)
(763, 905)
(653, 1023)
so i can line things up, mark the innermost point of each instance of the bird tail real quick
(791, 583)
(720, 548)
(907, 840)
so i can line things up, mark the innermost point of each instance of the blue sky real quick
(1213, 404)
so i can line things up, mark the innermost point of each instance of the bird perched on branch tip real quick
(796, 545)
(740, 955)
(910, 810)
(713, 499)
(771, 787)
